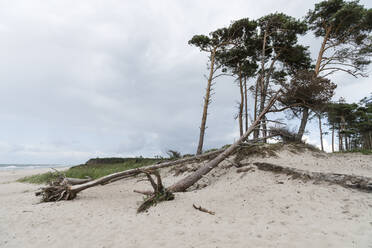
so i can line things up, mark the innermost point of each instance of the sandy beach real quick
(252, 209)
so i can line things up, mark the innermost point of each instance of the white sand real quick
(253, 209)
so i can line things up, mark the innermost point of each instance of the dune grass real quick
(94, 171)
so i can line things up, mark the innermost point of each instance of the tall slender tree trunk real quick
(342, 133)
(264, 95)
(264, 129)
(207, 99)
(321, 52)
(262, 82)
(346, 143)
(333, 137)
(246, 104)
(340, 143)
(241, 131)
(305, 117)
(255, 132)
(263, 120)
(321, 132)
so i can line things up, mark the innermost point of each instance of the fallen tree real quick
(348, 181)
(67, 191)
(191, 179)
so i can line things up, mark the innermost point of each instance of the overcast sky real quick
(82, 79)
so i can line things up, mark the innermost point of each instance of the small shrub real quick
(285, 134)
(173, 154)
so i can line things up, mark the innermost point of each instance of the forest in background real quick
(264, 57)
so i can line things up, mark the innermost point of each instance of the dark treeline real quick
(352, 123)
(264, 56)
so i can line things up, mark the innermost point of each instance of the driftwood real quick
(203, 209)
(348, 181)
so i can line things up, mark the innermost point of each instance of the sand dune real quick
(253, 209)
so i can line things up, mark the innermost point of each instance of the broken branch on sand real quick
(203, 209)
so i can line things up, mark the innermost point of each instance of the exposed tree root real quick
(160, 192)
(348, 181)
(56, 193)
(143, 192)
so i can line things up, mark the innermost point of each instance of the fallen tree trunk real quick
(137, 171)
(348, 181)
(68, 191)
(75, 181)
(191, 179)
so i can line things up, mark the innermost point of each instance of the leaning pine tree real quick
(345, 29)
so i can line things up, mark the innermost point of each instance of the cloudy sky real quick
(82, 79)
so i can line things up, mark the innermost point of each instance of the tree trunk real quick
(188, 181)
(256, 132)
(321, 132)
(206, 104)
(346, 143)
(266, 83)
(261, 78)
(264, 129)
(246, 104)
(333, 138)
(262, 106)
(241, 131)
(301, 130)
(75, 181)
(340, 145)
(321, 52)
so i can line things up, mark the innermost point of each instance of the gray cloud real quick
(81, 79)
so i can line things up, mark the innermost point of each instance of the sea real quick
(29, 166)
